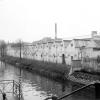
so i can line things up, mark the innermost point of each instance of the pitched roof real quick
(81, 42)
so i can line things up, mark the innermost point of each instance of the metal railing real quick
(10, 86)
(65, 96)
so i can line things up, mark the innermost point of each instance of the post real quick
(20, 49)
(13, 86)
(20, 74)
(97, 90)
(4, 96)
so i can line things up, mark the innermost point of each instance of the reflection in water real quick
(35, 87)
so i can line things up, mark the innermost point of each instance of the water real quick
(36, 87)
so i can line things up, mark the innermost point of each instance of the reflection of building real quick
(59, 50)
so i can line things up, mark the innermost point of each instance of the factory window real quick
(65, 47)
(41, 55)
(61, 45)
(71, 44)
(71, 57)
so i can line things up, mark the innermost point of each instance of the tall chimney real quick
(55, 30)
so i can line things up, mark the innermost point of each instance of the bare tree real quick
(3, 46)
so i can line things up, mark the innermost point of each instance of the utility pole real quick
(20, 72)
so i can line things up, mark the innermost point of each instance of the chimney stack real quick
(55, 30)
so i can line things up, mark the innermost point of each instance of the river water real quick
(36, 87)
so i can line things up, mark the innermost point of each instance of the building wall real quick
(71, 53)
(48, 51)
(56, 51)
(90, 50)
(92, 53)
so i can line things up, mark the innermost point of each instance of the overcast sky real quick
(32, 20)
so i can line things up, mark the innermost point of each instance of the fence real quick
(10, 86)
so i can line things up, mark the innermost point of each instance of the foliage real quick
(98, 59)
(3, 46)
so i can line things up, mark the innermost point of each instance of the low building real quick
(75, 50)
(70, 52)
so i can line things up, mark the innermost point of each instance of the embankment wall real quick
(51, 70)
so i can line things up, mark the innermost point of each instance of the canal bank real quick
(47, 69)
(54, 71)
(37, 87)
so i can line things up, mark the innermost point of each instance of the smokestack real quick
(55, 30)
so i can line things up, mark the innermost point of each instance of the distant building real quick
(75, 50)
(69, 52)
(93, 49)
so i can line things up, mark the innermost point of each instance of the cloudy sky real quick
(32, 20)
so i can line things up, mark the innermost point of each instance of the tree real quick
(3, 46)
(98, 59)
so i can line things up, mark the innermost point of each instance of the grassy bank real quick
(51, 70)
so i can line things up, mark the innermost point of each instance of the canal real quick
(36, 87)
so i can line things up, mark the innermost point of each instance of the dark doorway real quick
(63, 59)
(71, 57)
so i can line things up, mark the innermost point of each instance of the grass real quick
(45, 68)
